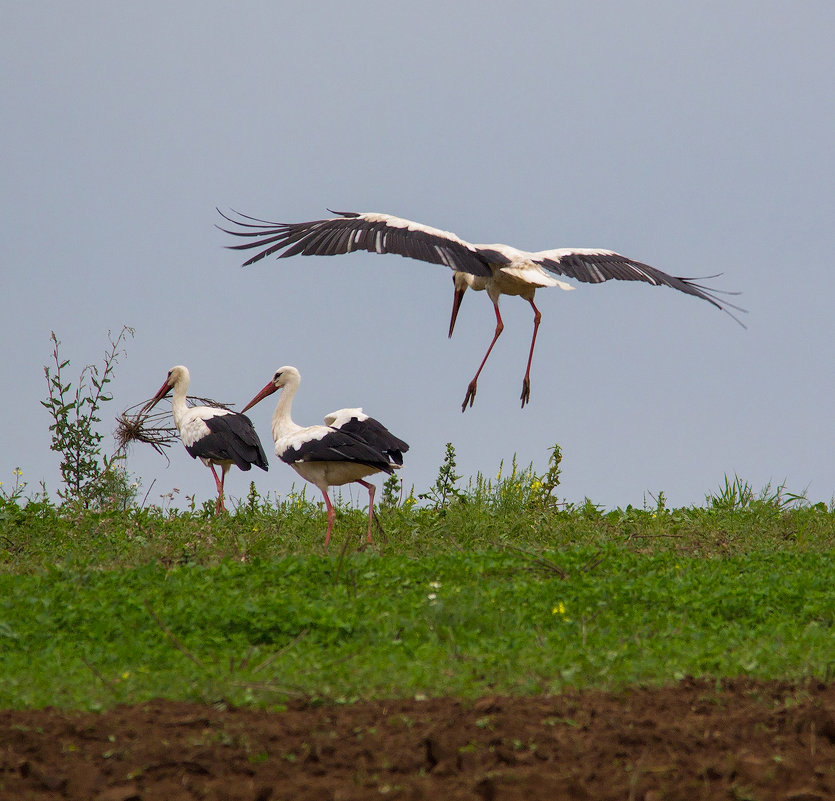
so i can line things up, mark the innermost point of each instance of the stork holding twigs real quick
(498, 269)
(350, 446)
(215, 435)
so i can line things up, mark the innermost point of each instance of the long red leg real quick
(331, 518)
(471, 389)
(219, 507)
(223, 471)
(371, 490)
(526, 381)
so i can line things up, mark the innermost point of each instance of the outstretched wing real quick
(385, 233)
(350, 231)
(593, 266)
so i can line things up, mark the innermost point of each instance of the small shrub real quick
(443, 491)
(392, 492)
(551, 480)
(91, 480)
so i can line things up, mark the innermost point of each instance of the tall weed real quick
(91, 479)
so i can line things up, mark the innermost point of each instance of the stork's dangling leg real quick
(526, 381)
(471, 388)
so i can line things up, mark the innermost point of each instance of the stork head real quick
(283, 377)
(460, 282)
(176, 375)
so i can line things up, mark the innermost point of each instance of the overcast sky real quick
(697, 138)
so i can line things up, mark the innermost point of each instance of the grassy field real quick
(492, 587)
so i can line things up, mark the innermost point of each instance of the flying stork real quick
(498, 269)
(215, 435)
(350, 446)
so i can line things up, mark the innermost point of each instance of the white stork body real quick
(498, 269)
(347, 448)
(214, 435)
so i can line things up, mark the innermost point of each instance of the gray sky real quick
(697, 138)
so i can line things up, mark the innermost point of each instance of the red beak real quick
(456, 304)
(268, 390)
(161, 393)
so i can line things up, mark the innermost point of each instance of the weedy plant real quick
(733, 495)
(738, 494)
(444, 491)
(551, 480)
(91, 479)
(392, 491)
(15, 493)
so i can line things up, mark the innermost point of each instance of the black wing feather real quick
(337, 446)
(594, 268)
(349, 232)
(232, 437)
(374, 434)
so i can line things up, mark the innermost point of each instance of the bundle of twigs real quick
(155, 428)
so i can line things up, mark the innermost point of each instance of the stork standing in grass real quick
(350, 446)
(498, 269)
(215, 435)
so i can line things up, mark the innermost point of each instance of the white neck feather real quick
(282, 422)
(179, 407)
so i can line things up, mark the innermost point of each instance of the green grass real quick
(512, 511)
(489, 588)
(461, 624)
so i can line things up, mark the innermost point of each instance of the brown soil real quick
(694, 740)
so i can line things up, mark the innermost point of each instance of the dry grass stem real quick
(156, 428)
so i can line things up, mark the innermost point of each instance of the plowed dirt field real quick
(736, 740)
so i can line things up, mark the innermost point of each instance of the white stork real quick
(214, 435)
(499, 269)
(350, 446)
